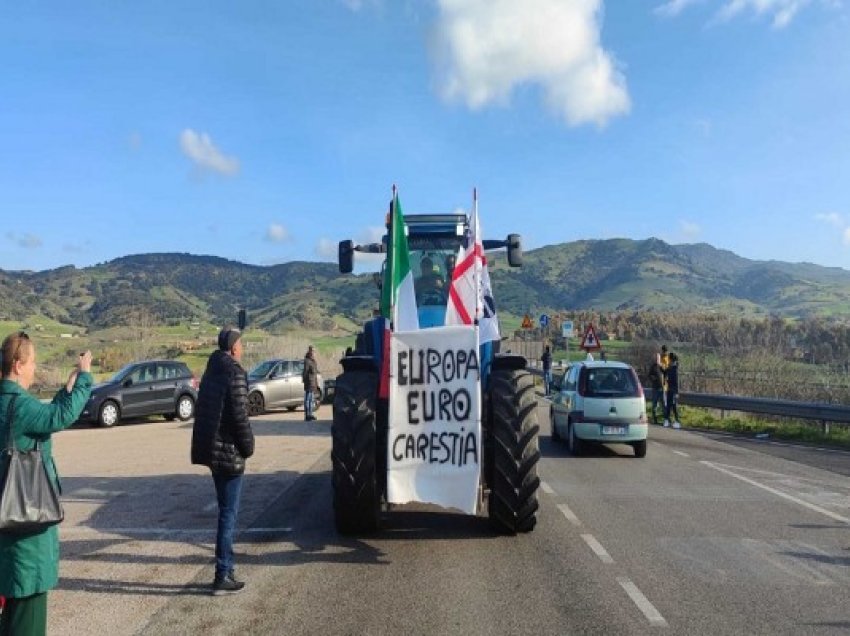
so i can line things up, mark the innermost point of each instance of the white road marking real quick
(547, 488)
(683, 454)
(597, 548)
(648, 609)
(779, 493)
(569, 514)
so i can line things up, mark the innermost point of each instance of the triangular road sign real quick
(589, 341)
(526, 322)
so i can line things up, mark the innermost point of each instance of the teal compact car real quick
(599, 402)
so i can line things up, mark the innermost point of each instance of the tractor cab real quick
(433, 241)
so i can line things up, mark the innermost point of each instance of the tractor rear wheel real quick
(513, 502)
(356, 498)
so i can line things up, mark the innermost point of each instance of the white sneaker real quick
(666, 423)
(676, 425)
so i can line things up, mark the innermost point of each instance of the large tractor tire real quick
(513, 502)
(354, 452)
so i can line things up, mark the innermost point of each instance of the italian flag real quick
(398, 300)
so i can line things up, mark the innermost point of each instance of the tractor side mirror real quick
(242, 319)
(514, 244)
(346, 257)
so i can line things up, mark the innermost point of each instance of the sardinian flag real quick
(470, 294)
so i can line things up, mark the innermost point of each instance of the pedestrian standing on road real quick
(672, 392)
(310, 378)
(546, 358)
(656, 382)
(29, 563)
(222, 439)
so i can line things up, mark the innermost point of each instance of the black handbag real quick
(29, 501)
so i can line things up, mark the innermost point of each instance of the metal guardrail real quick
(820, 411)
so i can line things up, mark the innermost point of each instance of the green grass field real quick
(810, 432)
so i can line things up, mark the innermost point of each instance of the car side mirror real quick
(128, 382)
(346, 256)
(514, 250)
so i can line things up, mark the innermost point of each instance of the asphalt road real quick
(706, 535)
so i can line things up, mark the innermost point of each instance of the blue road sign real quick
(544, 320)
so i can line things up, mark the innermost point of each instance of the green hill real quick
(610, 274)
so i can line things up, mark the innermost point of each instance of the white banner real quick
(435, 418)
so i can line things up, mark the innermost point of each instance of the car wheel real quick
(109, 414)
(185, 408)
(291, 408)
(575, 444)
(256, 403)
(640, 448)
(555, 436)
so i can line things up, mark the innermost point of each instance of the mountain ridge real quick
(602, 274)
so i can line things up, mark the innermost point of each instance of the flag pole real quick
(476, 270)
(391, 248)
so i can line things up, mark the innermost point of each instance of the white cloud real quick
(199, 148)
(27, 241)
(689, 229)
(831, 218)
(486, 49)
(372, 234)
(673, 7)
(837, 221)
(780, 12)
(276, 233)
(327, 249)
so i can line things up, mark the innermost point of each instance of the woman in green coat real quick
(30, 563)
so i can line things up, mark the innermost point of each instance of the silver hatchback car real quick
(599, 402)
(277, 384)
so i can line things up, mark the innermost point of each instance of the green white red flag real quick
(398, 299)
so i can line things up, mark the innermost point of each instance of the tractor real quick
(508, 481)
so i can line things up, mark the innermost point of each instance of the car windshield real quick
(262, 369)
(432, 274)
(122, 373)
(611, 382)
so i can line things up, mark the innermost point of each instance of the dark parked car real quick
(152, 387)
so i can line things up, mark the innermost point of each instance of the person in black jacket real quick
(310, 378)
(672, 397)
(656, 382)
(222, 439)
(546, 358)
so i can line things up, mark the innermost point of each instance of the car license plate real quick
(613, 430)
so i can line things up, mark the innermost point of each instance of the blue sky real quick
(266, 132)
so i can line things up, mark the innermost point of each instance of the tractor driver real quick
(450, 266)
(430, 286)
